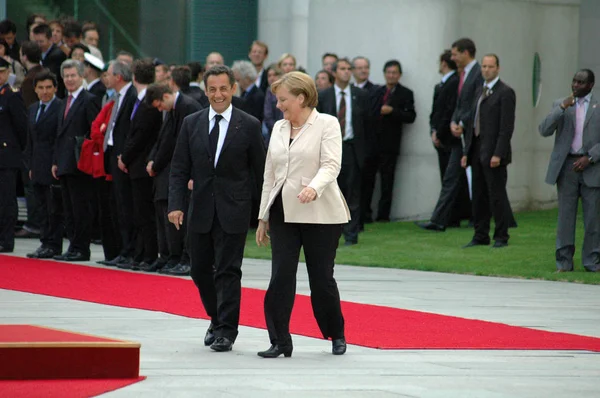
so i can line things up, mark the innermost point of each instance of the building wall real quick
(416, 33)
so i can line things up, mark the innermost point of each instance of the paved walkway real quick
(178, 365)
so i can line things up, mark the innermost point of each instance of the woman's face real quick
(57, 34)
(322, 81)
(288, 65)
(289, 104)
(272, 76)
(78, 55)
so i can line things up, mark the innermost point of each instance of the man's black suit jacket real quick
(468, 97)
(197, 94)
(497, 121)
(99, 91)
(388, 128)
(264, 81)
(162, 152)
(225, 191)
(79, 120)
(360, 116)
(255, 103)
(13, 128)
(123, 121)
(53, 60)
(444, 103)
(41, 138)
(145, 126)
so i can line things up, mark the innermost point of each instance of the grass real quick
(402, 245)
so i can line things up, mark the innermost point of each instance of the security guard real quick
(13, 137)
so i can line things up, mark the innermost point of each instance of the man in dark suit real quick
(145, 124)
(394, 106)
(8, 32)
(487, 148)
(350, 105)
(30, 57)
(93, 71)
(259, 51)
(75, 115)
(13, 137)
(181, 77)
(361, 68)
(52, 56)
(43, 125)
(254, 97)
(174, 258)
(221, 147)
(119, 79)
(454, 202)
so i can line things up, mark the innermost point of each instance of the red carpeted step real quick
(33, 352)
(71, 388)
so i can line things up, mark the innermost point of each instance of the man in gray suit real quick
(575, 171)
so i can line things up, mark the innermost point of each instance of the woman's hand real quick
(307, 195)
(262, 236)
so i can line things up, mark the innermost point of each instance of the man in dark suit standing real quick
(181, 77)
(221, 147)
(254, 97)
(361, 68)
(52, 56)
(394, 106)
(350, 105)
(75, 118)
(145, 124)
(43, 125)
(174, 258)
(30, 57)
(13, 138)
(488, 150)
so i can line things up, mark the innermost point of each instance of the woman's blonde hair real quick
(298, 83)
(284, 56)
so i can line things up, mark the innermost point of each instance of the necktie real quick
(40, 112)
(579, 121)
(135, 107)
(111, 122)
(213, 138)
(461, 81)
(69, 100)
(485, 94)
(342, 114)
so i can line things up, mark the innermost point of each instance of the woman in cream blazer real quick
(302, 207)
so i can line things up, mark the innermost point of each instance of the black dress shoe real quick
(222, 344)
(6, 249)
(475, 243)
(133, 266)
(431, 226)
(209, 337)
(276, 350)
(338, 346)
(167, 268)
(179, 270)
(77, 256)
(155, 266)
(36, 253)
(47, 253)
(498, 244)
(592, 268)
(62, 257)
(114, 262)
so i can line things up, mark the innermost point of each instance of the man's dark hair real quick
(465, 44)
(328, 55)
(393, 62)
(32, 51)
(491, 55)
(219, 70)
(80, 46)
(4, 44)
(126, 53)
(447, 58)
(45, 74)
(330, 76)
(7, 26)
(72, 29)
(196, 68)
(89, 26)
(335, 64)
(591, 78)
(43, 29)
(143, 71)
(31, 20)
(155, 92)
(181, 76)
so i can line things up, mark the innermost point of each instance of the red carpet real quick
(62, 388)
(366, 325)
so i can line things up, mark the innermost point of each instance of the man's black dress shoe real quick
(114, 262)
(338, 346)
(276, 350)
(36, 253)
(475, 243)
(592, 268)
(62, 257)
(133, 266)
(431, 226)
(47, 253)
(76, 256)
(179, 270)
(222, 344)
(209, 337)
(498, 244)
(167, 268)
(6, 249)
(155, 266)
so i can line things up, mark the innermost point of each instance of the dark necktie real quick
(40, 112)
(69, 100)
(342, 113)
(213, 138)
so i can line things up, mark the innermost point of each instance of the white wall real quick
(416, 32)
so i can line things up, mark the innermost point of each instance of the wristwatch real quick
(590, 158)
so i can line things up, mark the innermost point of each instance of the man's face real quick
(392, 75)
(213, 60)
(161, 74)
(72, 79)
(257, 55)
(111, 79)
(4, 76)
(322, 81)
(77, 54)
(42, 41)
(219, 91)
(57, 34)
(244, 83)
(581, 85)
(92, 38)
(361, 70)
(489, 69)
(166, 104)
(343, 73)
(10, 38)
(45, 90)
(462, 59)
(328, 62)
(71, 41)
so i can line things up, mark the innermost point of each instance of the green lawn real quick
(403, 245)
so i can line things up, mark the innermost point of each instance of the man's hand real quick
(191, 185)
(149, 169)
(495, 162)
(262, 234)
(307, 195)
(122, 166)
(456, 129)
(463, 162)
(568, 102)
(581, 163)
(386, 109)
(436, 142)
(54, 171)
(176, 218)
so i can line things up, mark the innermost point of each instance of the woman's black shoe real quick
(276, 350)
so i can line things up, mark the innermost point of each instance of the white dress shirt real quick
(349, 134)
(223, 126)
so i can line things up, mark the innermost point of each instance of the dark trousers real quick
(49, 199)
(220, 288)
(161, 230)
(34, 207)
(143, 217)
(443, 159)
(489, 198)
(320, 242)
(9, 210)
(454, 193)
(77, 191)
(349, 181)
(123, 211)
(385, 164)
(176, 239)
(108, 224)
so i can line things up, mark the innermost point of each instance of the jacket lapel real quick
(232, 130)
(310, 121)
(591, 108)
(72, 110)
(48, 112)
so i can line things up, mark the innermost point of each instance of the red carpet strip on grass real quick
(366, 325)
(75, 388)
